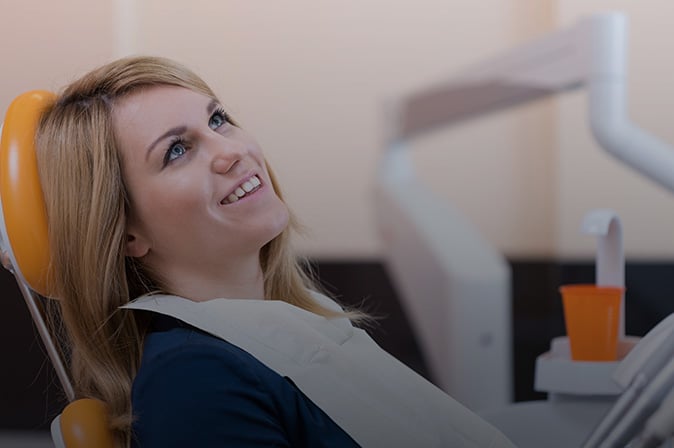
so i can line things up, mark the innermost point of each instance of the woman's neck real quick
(239, 279)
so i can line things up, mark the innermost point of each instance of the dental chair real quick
(25, 253)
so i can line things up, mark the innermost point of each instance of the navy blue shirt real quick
(196, 390)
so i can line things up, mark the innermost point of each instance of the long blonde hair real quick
(87, 208)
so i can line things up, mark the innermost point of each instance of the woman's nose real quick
(225, 154)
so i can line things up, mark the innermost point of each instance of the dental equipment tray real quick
(557, 373)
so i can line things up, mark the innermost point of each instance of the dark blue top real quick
(196, 390)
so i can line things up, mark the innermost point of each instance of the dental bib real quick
(372, 396)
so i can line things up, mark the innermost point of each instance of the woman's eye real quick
(218, 119)
(175, 151)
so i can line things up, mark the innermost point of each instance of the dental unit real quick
(446, 273)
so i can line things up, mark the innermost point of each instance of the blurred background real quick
(309, 79)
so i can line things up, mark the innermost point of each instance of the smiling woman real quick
(185, 309)
(183, 181)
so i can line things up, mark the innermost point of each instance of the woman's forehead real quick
(142, 116)
(159, 97)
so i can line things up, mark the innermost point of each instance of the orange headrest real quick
(24, 219)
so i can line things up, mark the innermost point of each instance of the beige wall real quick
(45, 44)
(308, 78)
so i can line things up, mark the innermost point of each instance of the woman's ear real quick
(135, 246)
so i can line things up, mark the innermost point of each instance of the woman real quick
(150, 187)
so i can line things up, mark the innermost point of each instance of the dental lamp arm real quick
(609, 119)
(591, 54)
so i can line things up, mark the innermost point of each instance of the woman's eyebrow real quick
(212, 105)
(178, 129)
(171, 132)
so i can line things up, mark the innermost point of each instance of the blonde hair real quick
(87, 208)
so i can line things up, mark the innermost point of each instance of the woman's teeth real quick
(248, 186)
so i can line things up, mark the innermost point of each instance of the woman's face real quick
(199, 189)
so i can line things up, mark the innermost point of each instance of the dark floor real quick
(30, 395)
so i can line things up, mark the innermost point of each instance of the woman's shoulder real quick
(197, 389)
(172, 343)
(190, 382)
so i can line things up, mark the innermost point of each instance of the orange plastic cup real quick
(592, 315)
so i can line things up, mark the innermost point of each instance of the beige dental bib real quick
(372, 396)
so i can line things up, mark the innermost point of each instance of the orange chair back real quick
(84, 422)
(22, 200)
